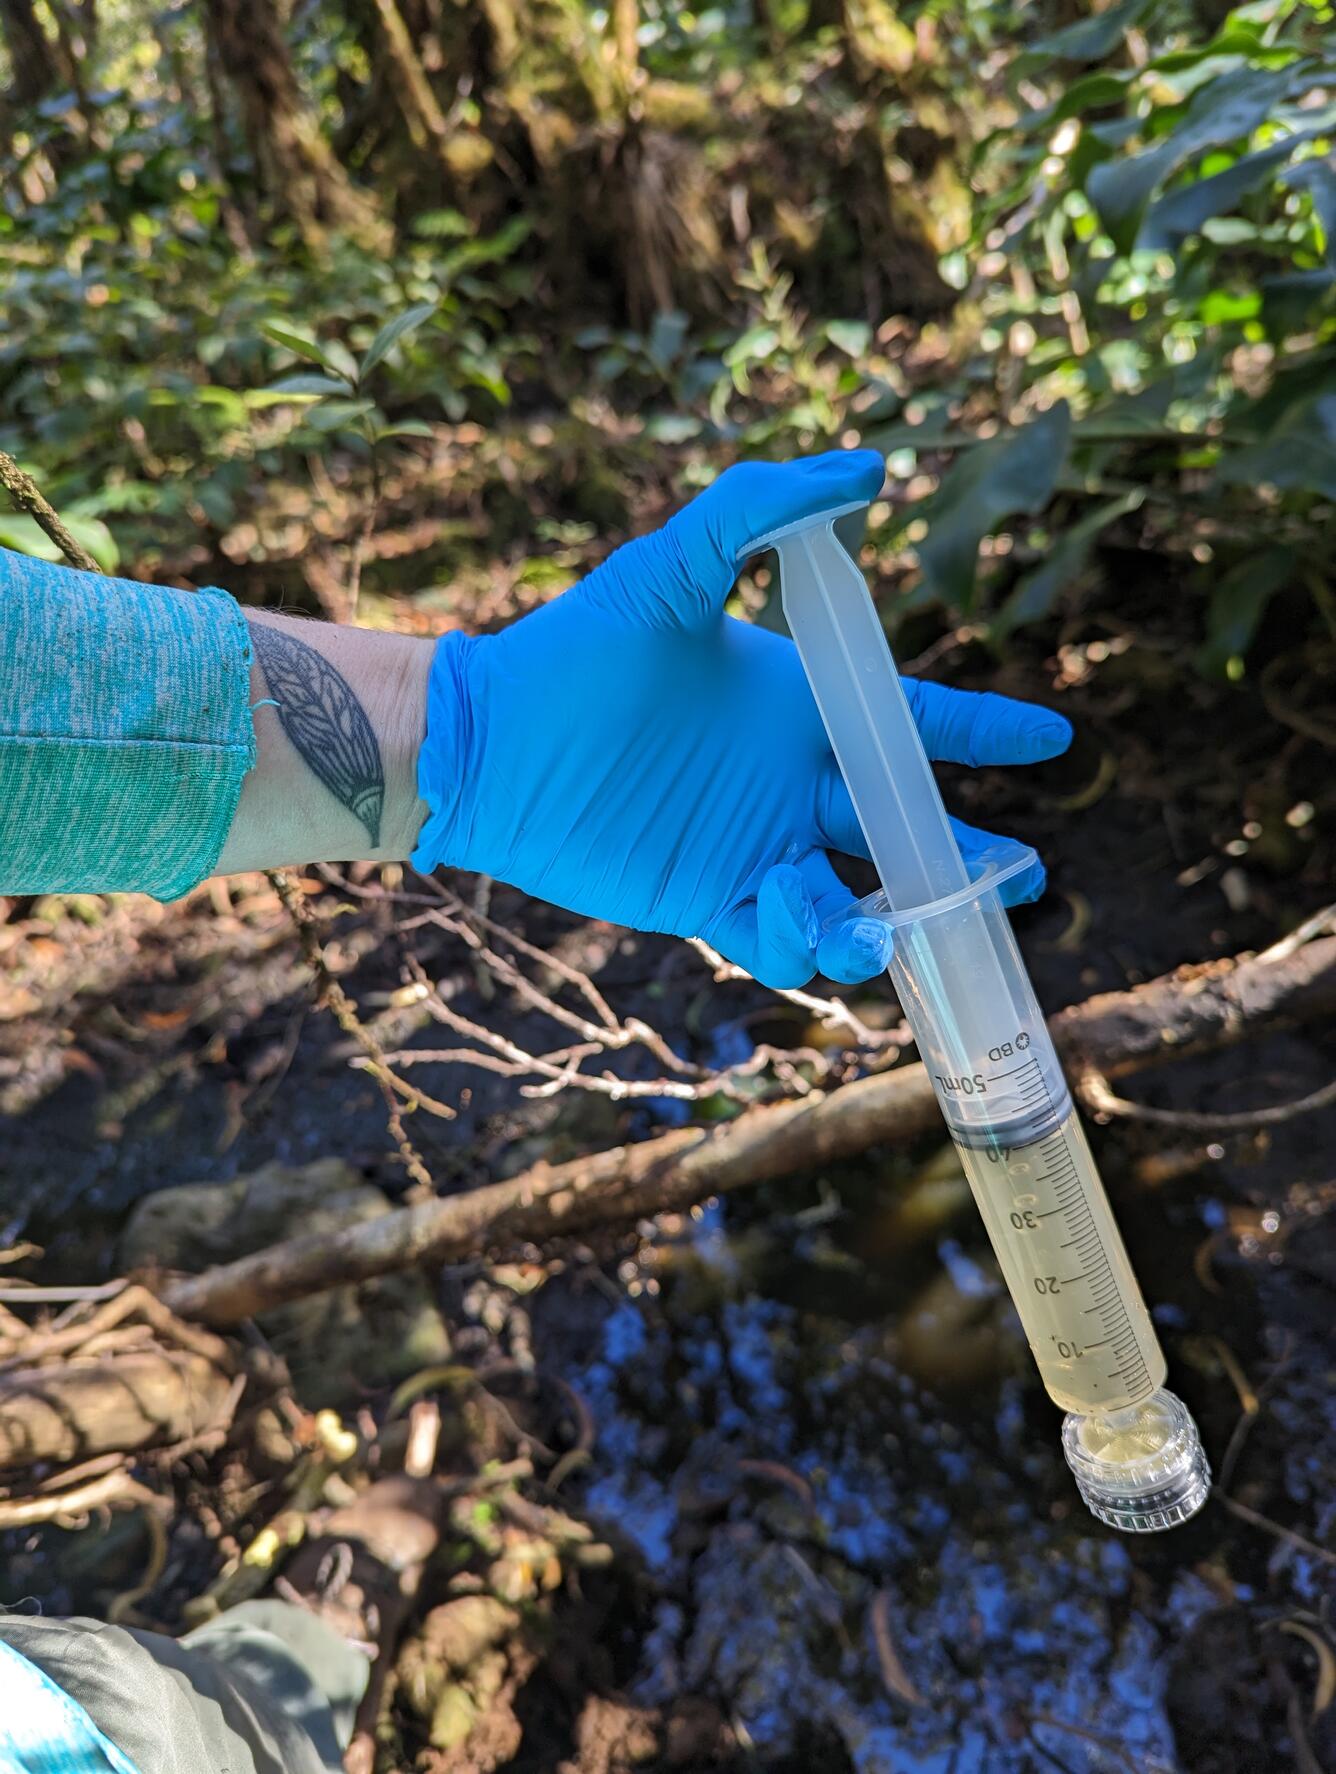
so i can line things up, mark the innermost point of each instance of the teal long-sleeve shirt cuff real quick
(125, 731)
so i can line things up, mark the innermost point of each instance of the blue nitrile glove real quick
(633, 754)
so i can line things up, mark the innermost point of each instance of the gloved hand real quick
(633, 754)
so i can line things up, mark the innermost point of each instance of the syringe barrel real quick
(967, 996)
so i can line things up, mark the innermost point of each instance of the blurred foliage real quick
(1075, 275)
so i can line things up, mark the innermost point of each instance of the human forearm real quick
(335, 778)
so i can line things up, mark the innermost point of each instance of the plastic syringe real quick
(1132, 1445)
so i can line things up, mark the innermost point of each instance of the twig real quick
(48, 1296)
(345, 1014)
(122, 1606)
(130, 1300)
(1106, 1744)
(1095, 1092)
(27, 496)
(1254, 1519)
(1318, 925)
(424, 1433)
(893, 1671)
(112, 1487)
(831, 1012)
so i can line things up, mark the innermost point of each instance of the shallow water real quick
(866, 1541)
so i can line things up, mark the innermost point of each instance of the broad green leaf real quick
(850, 336)
(999, 478)
(1225, 111)
(1172, 218)
(1035, 594)
(1238, 603)
(26, 535)
(394, 330)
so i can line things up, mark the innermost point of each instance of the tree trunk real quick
(39, 64)
(421, 113)
(625, 35)
(294, 163)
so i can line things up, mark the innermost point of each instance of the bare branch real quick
(1117, 1031)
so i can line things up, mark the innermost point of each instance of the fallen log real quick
(1194, 1009)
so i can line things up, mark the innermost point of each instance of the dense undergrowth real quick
(1116, 320)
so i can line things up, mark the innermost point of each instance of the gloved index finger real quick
(973, 727)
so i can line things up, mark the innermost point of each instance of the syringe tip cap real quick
(1140, 1469)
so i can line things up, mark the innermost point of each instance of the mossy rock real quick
(335, 1343)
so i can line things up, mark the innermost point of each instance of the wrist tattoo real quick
(326, 724)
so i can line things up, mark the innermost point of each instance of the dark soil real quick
(848, 1538)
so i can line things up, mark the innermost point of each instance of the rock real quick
(336, 1343)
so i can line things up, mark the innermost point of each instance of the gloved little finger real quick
(853, 950)
(850, 948)
(979, 848)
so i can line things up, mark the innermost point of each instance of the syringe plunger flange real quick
(1139, 1469)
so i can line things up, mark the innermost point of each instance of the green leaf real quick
(308, 384)
(1090, 39)
(26, 535)
(1036, 593)
(331, 415)
(757, 343)
(408, 428)
(303, 345)
(672, 428)
(441, 224)
(1002, 476)
(1291, 464)
(1089, 93)
(1295, 298)
(1318, 178)
(1229, 307)
(666, 337)
(1222, 112)
(1171, 219)
(850, 336)
(1238, 603)
(394, 330)
(1298, 454)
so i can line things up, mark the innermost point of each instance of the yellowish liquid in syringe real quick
(1063, 1260)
